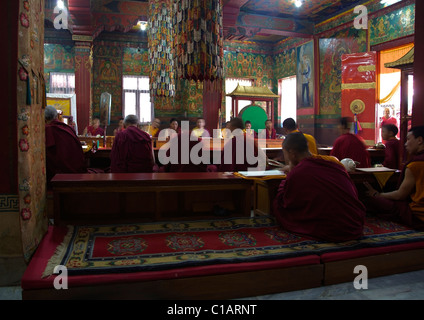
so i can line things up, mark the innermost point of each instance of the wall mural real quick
(305, 75)
(57, 58)
(331, 49)
(135, 62)
(285, 63)
(397, 24)
(107, 72)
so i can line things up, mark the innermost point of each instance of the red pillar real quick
(418, 105)
(212, 95)
(8, 92)
(83, 75)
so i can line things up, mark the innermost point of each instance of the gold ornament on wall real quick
(357, 106)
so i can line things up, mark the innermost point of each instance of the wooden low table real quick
(108, 198)
(376, 155)
(266, 190)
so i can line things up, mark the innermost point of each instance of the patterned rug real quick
(159, 246)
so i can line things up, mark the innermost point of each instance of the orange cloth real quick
(312, 144)
(417, 203)
(328, 158)
(153, 131)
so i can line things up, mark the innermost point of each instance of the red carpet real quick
(160, 246)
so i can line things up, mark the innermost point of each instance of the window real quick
(230, 86)
(136, 96)
(287, 101)
(63, 83)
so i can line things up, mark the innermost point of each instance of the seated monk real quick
(132, 149)
(318, 199)
(120, 127)
(226, 132)
(94, 130)
(189, 166)
(153, 129)
(271, 133)
(406, 204)
(290, 126)
(200, 130)
(235, 158)
(392, 151)
(173, 129)
(248, 129)
(349, 145)
(64, 152)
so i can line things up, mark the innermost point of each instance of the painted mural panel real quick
(331, 49)
(396, 24)
(305, 75)
(58, 58)
(107, 75)
(136, 62)
(285, 63)
(249, 65)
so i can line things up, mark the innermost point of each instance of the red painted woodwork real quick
(359, 83)
(418, 104)
(8, 90)
(83, 83)
(148, 178)
(212, 96)
(128, 197)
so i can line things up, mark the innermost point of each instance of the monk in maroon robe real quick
(64, 152)
(236, 155)
(94, 129)
(406, 204)
(188, 165)
(132, 149)
(392, 151)
(271, 133)
(349, 145)
(318, 199)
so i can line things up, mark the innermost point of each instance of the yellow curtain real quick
(390, 95)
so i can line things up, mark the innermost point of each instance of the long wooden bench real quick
(107, 198)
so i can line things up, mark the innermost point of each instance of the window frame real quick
(137, 92)
(68, 89)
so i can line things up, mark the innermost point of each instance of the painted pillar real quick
(418, 105)
(83, 76)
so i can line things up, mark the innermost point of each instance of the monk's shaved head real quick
(296, 142)
(131, 120)
(50, 113)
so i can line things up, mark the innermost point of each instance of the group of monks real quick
(317, 199)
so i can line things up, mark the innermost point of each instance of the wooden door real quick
(359, 93)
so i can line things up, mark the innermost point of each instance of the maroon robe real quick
(396, 210)
(95, 132)
(392, 154)
(180, 167)
(63, 150)
(132, 151)
(350, 146)
(272, 135)
(234, 166)
(319, 200)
